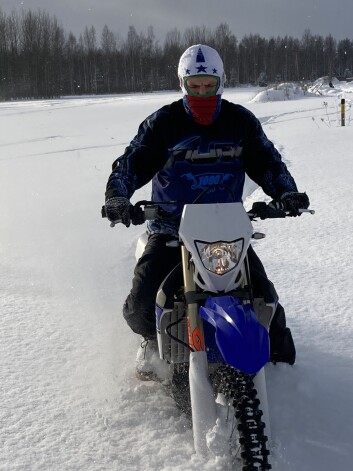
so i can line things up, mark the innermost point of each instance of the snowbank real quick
(293, 91)
(281, 92)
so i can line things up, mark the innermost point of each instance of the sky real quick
(265, 17)
(69, 398)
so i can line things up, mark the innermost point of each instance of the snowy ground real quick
(69, 399)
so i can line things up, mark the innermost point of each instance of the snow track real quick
(69, 399)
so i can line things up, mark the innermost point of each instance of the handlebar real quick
(152, 210)
(263, 210)
(138, 216)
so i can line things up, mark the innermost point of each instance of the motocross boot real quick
(149, 365)
(282, 348)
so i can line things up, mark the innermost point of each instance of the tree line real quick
(38, 58)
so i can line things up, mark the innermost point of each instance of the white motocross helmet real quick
(201, 60)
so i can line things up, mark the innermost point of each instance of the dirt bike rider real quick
(183, 148)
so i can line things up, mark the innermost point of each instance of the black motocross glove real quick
(291, 202)
(117, 209)
(267, 211)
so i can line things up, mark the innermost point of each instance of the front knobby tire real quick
(241, 396)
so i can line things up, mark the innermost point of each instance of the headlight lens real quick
(220, 257)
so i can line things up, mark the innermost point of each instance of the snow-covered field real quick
(69, 399)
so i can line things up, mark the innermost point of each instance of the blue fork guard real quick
(241, 339)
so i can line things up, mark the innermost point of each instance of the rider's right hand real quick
(118, 210)
(293, 202)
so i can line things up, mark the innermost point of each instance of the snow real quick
(69, 399)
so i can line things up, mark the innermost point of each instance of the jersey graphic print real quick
(193, 149)
(202, 170)
(206, 180)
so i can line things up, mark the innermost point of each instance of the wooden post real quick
(343, 112)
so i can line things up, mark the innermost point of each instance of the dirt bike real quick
(212, 331)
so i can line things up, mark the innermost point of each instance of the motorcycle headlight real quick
(220, 257)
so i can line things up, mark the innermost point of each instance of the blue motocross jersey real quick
(200, 170)
(189, 162)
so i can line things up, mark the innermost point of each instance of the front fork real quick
(195, 323)
(203, 405)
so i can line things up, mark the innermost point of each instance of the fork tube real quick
(195, 326)
(203, 406)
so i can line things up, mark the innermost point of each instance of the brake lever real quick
(311, 211)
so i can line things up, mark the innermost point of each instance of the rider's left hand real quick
(291, 202)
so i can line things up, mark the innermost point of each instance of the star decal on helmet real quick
(187, 71)
(214, 71)
(200, 69)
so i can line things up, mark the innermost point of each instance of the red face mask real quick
(204, 110)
